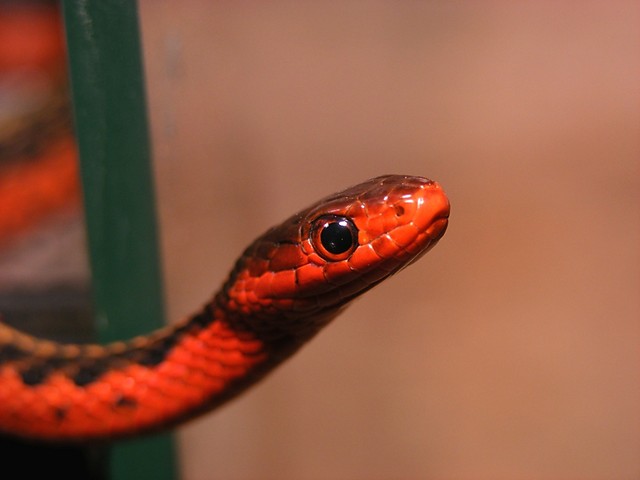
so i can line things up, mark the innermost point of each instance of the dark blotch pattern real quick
(89, 374)
(60, 413)
(34, 375)
(9, 353)
(125, 401)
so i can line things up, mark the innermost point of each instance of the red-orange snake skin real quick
(283, 289)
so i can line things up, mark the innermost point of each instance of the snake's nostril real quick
(399, 210)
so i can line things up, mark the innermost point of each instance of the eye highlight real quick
(334, 237)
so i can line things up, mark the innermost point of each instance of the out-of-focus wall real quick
(512, 351)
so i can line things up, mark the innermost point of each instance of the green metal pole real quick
(111, 126)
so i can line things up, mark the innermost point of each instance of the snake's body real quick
(284, 288)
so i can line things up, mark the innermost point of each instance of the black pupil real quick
(336, 237)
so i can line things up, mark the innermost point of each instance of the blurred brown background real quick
(512, 351)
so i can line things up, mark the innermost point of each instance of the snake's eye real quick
(334, 237)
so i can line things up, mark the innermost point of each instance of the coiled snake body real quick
(283, 289)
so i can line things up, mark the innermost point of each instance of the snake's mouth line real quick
(437, 228)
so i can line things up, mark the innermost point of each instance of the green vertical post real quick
(107, 84)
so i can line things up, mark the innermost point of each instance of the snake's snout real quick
(423, 205)
(433, 212)
(404, 216)
(427, 208)
(422, 211)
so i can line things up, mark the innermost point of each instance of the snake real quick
(282, 290)
(39, 177)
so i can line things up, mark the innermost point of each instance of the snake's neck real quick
(276, 323)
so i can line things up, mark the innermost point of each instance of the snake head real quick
(339, 247)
